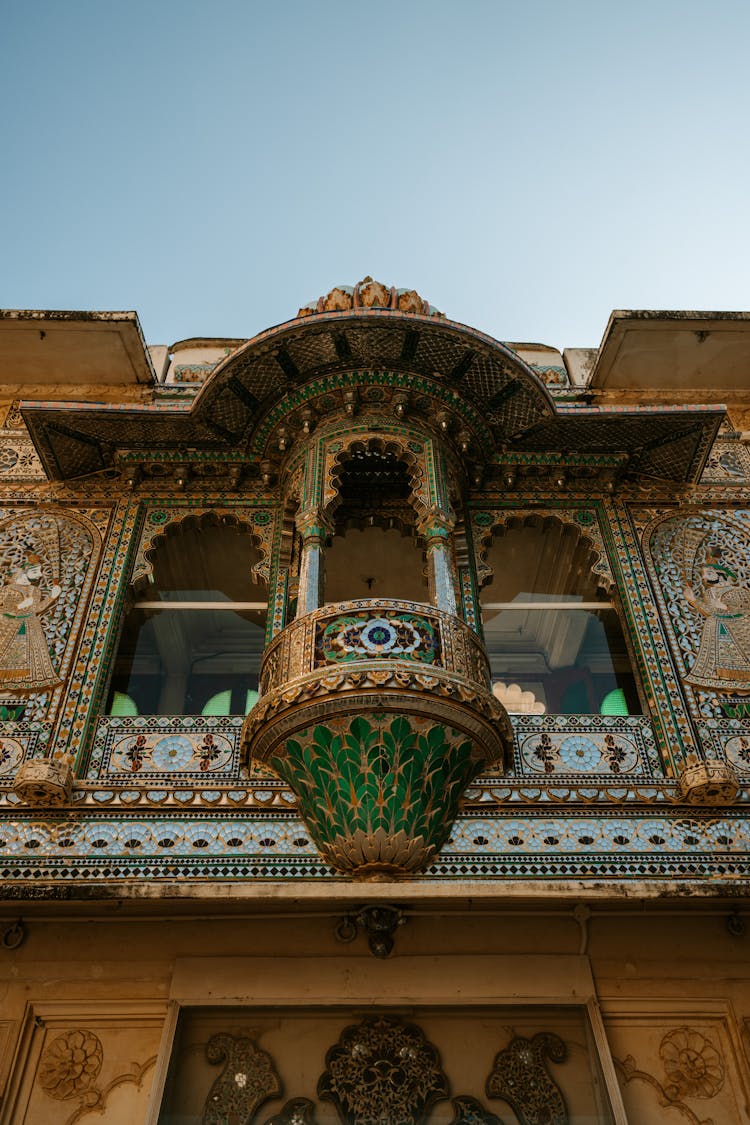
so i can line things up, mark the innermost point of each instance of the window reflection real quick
(553, 636)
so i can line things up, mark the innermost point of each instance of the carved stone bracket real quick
(710, 782)
(44, 781)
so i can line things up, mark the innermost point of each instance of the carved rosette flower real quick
(71, 1064)
(692, 1064)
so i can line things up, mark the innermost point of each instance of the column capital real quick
(313, 524)
(437, 524)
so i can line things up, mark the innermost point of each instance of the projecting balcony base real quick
(378, 748)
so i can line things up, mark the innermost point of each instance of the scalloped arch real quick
(503, 522)
(154, 533)
(378, 443)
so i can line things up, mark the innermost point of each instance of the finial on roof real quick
(369, 294)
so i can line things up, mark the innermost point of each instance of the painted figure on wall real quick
(25, 663)
(723, 659)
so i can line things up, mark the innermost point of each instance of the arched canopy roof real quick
(438, 355)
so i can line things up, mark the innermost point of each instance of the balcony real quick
(378, 714)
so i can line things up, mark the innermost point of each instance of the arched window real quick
(374, 552)
(553, 635)
(191, 643)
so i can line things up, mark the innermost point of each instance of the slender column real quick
(313, 529)
(437, 528)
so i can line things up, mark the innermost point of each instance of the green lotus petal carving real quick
(378, 793)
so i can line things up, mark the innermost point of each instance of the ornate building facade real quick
(374, 721)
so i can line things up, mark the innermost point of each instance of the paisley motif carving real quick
(383, 1071)
(248, 1079)
(519, 1076)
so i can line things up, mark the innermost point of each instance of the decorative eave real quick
(74, 439)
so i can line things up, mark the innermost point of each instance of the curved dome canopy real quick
(338, 341)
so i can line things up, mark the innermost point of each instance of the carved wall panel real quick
(677, 1069)
(86, 1063)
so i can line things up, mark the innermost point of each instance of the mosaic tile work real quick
(728, 463)
(164, 746)
(576, 749)
(206, 846)
(572, 745)
(19, 741)
(46, 560)
(18, 459)
(700, 567)
(729, 739)
(354, 636)
(672, 728)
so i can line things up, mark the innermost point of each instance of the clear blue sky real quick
(527, 165)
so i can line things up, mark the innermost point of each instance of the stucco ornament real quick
(71, 1064)
(369, 294)
(44, 781)
(693, 1066)
(383, 1071)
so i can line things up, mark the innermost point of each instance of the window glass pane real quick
(572, 661)
(179, 662)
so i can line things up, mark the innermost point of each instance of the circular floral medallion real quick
(173, 752)
(579, 753)
(380, 637)
(71, 1064)
(693, 1066)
